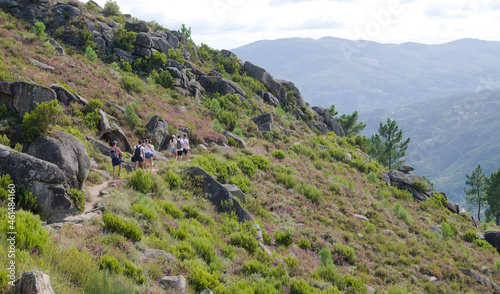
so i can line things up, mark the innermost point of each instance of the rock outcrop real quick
(158, 128)
(493, 237)
(65, 97)
(403, 180)
(236, 138)
(480, 278)
(44, 179)
(263, 76)
(216, 193)
(24, 96)
(325, 118)
(264, 122)
(34, 282)
(176, 282)
(65, 151)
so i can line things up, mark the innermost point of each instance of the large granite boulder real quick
(138, 26)
(143, 40)
(24, 96)
(34, 282)
(269, 98)
(65, 97)
(264, 122)
(236, 138)
(214, 84)
(159, 132)
(115, 133)
(63, 13)
(216, 193)
(65, 151)
(44, 179)
(405, 181)
(453, 207)
(331, 123)
(176, 282)
(57, 46)
(263, 76)
(299, 101)
(493, 237)
(482, 280)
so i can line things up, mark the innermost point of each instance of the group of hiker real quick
(144, 153)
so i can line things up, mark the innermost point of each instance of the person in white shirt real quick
(149, 154)
(185, 146)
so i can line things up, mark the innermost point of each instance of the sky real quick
(228, 24)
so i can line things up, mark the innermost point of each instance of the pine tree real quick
(350, 124)
(477, 183)
(388, 146)
(493, 196)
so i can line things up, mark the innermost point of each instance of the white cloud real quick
(232, 23)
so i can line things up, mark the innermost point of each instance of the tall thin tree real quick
(388, 146)
(493, 196)
(477, 183)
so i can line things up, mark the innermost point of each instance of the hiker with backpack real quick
(185, 146)
(149, 153)
(139, 155)
(116, 159)
(173, 149)
(178, 147)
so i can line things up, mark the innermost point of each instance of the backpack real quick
(179, 144)
(137, 152)
(114, 153)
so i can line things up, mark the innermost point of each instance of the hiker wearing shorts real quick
(138, 154)
(178, 147)
(185, 146)
(173, 150)
(116, 155)
(149, 153)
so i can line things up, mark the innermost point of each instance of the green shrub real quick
(286, 179)
(204, 249)
(300, 287)
(261, 161)
(6, 76)
(90, 54)
(447, 231)
(190, 211)
(183, 250)
(173, 179)
(41, 119)
(242, 181)
(3, 107)
(402, 213)
(148, 213)
(131, 83)
(141, 182)
(116, 224)
(201, 279)
(5, 182)
(163, 78)
(30, 233)
(370, 228)
(110, 263)
(246, 165)
(497, 266)
(78, 198)
(402, 194)
(111, 8)
(232, 142)
(255, 267)
(470, 236)
(397, 289)
(131, 118)
(134, 272)
(222, 170)
(279, 154)
(39, 30)
(311, 192)
(284, 237)
(304, 243)
(483, 244)
(439, 199)
(176, 54)
(325, 256)
(171, 209)
(26, 200)
(330, 274)
(216, 125)
(244, 240)
(420, 186)
(126, 67)
(342, 252)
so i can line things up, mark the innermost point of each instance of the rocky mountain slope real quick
(273, 199)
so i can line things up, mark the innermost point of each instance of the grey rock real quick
(485, 270)
(390, 233)
(176, 282)
(159, 254)
(259, 236)
(235, 192)
(65, 97)
(435, 228)
(298, 114)
(217, 193)
(265, 249)
(475, 222)
(34, 282)
(180, 77)
(299, 101)
(320, 126)
(348, 156)
(72, 219)
(482, 280)
(44, 179)
(493, 237)
(263, 76)
(172, 40)
(101, 206)
(405, 168)
(452, 207)
(433, 279)
(360, 217)
(236, 138)
(7, 4)
(138, 26)
(405, 181)
(100, 146)
(158, 128)
(206, 291)
(270, 99)
(480, 235)
(24, 96)
(161, 45)
(101, 45)
(369, 289)
(115, 133)
(143, 40)
(122, 54)
(65, 151)
(360, 236)
(142, 52)
(119, 108)
(57, 46)
(202, 147)
(220, 85)
(103, 122)
(263, 118)
(331, 123)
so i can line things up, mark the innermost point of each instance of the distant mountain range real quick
(365, 76)
(443, 96)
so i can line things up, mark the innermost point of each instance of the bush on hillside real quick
(141, 182)
(78, 198)
(147, 213)
(420, 186)
(244, 240)
(304, 244)
(124, 39)
(90, 54)
(134, 272)
(111, 8)
(312, 193)
(171, 209)
(41, 119)
(261, 161)
(110, 263)
(116, 224)
(284, 237)
(26, 200)
(242, 181)
(343, 253)
(300, 287)
(173, 179)
(246, 165)
(30, 233)
(279, 154)
(131, 83)
(39, 30)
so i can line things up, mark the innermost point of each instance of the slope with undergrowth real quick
(312, 184)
